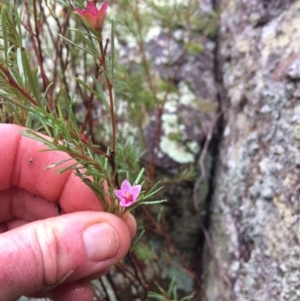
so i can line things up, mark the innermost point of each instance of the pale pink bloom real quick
(94, 16)
(128, 194)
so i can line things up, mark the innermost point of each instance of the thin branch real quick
(111, 99)
(15, 85)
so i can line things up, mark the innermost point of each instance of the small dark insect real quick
(30, 160)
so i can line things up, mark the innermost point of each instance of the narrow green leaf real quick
(20, 66)
(67, 168)
(99, 90)
(137, 180)
(99, 96)
(44, 100)
(153, 202)
(153, 190)
(58, 163)
(136, 241)
(4, 31)
(32, 78)
(76, 45)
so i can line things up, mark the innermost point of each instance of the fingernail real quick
(101, 241)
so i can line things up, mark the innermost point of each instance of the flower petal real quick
(125, 203)
(92, 8)
(120, 194)
(126, 186)
(80, 11)
(127, 194)
(90, 18)
(135, 191)
(103, 9)
(101, 15)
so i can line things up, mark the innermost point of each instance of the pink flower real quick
(128, 194)
(94, 16)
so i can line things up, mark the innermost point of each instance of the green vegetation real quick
(95, 94)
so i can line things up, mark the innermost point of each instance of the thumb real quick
(40, 254)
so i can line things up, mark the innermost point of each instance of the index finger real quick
(22, 164)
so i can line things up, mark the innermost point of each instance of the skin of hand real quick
(39, 247)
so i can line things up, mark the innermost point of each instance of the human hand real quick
(39, 247)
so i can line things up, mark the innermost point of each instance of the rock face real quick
(255, 214)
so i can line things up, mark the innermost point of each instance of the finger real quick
(75, 291)
(17, 210)
(96, 275)
(130, 221)
(77, 244)
(23, 165)
(18, 169)
(77, 196)
(18, 203)
(15, 223)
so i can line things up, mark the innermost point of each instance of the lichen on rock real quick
(255, 218)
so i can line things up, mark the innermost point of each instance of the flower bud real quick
(94, 17)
